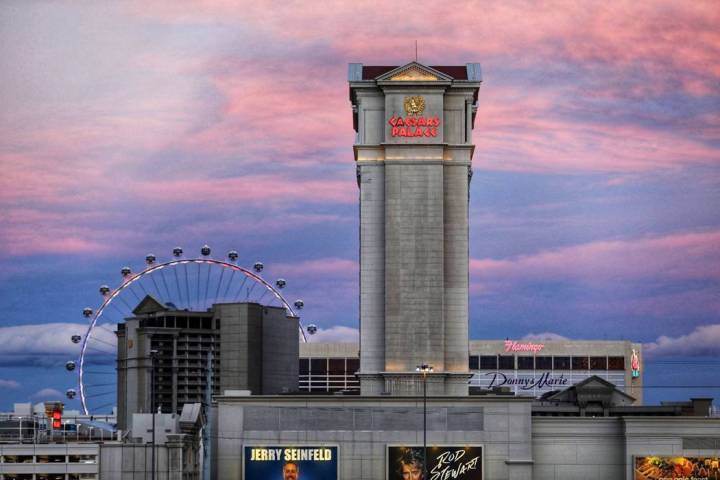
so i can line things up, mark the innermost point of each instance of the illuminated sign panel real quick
(676, 468)
(290, 462)
(498, 379)
(635, 364)
(444, 462)
(512, 346)
(414, 124)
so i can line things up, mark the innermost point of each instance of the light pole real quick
(153, 355)
(424, 369)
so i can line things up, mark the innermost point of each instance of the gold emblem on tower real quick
(414, 105)
(414, 74)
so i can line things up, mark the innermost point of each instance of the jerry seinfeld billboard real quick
(306, 462)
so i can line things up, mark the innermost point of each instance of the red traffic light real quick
(57, 419)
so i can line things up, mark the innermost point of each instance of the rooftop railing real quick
(31, 429)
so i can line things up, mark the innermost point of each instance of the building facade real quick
(523, 368)
(596, 436)
(56, 461)
(253, 347)
(413, 153)
(31, 448)
(534, 368)
(363, 429)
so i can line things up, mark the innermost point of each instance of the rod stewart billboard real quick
(444, 462)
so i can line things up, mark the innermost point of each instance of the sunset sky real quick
(132, 127)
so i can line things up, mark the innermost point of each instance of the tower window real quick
(525, 363)
(474, 362)
(506, 362)
(489, 362)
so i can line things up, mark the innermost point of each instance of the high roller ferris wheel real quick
(180, 283)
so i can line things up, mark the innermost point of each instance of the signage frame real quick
(452, 445)
(288, 445)
(636, 456)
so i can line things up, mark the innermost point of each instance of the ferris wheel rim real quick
(130, 279)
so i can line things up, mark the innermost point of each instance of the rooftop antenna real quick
(416, 51)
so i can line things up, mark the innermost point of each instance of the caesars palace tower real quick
(414, 152)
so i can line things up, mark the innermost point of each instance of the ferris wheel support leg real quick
(143, 288)
(240, 290)
(227, 289)
(130, 289)
(262, 296)
(162, 277)
(249, 291)
(217, 291)
(177, 285)
(198, 286)
(187, 285)
(157, 289)
(207, 286)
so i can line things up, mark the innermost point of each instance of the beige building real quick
(536, 367)
(254, 347)
(413, 154)
(524, 368)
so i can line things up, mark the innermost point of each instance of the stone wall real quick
(363, 427)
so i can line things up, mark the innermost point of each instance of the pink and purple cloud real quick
(135, 126)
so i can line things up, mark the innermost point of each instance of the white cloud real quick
(47, 394)
(546, 336)
(336, 334)
(682, 256)
(49, 343)
(704, 340)
(9, 384)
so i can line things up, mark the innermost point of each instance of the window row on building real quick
(48, 476)
(345, 366)
(329, 374)
(329, 366)
(546, 362)
(189, 322)
(48, 459)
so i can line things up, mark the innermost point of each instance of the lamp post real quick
(424, 369)
(153, 356)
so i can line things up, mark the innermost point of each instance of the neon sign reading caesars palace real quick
(414, 124)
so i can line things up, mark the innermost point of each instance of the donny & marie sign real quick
(498, 379)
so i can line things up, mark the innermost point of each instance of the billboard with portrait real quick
(444, 462)
(307, 462)
(676, 468)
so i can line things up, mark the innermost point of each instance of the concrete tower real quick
(413, 152)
